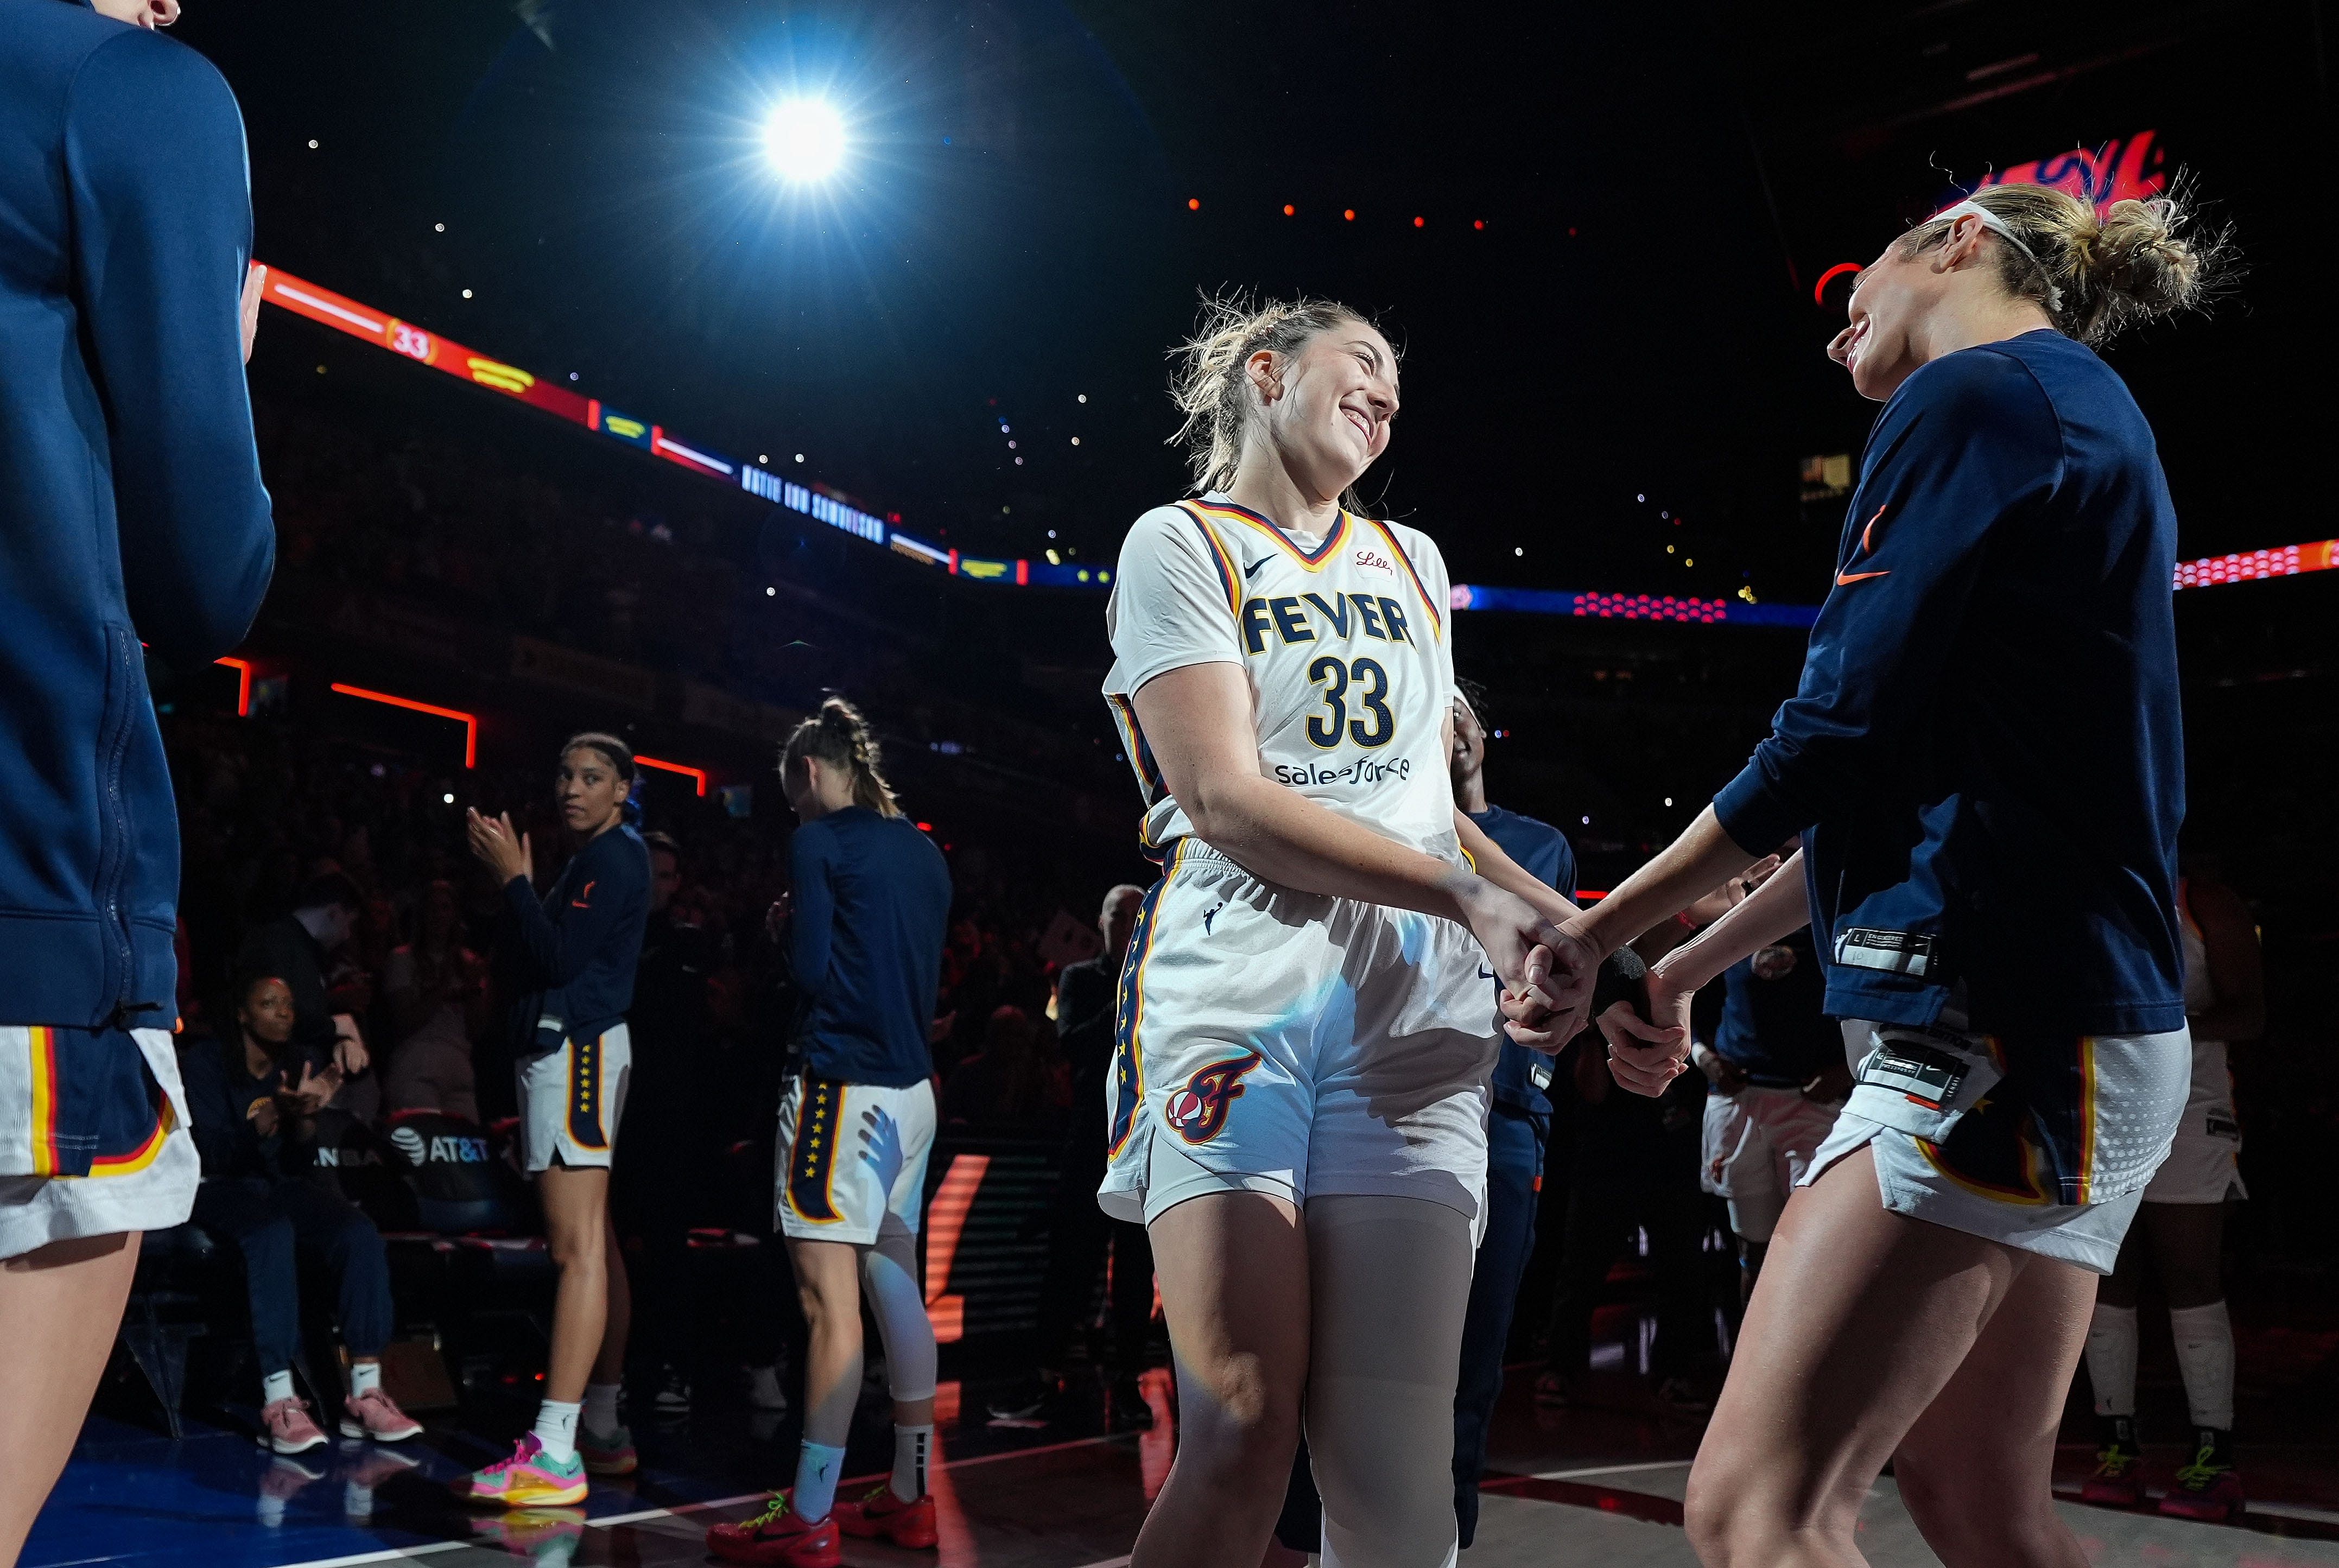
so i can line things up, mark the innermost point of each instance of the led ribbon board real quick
(2119, 170)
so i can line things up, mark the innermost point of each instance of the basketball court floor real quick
(1600, 1484)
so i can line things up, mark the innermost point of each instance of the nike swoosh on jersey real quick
(1251, 571)
(1845, 579)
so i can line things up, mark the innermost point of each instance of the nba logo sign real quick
(1199, 1110)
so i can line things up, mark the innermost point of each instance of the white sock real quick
(2204, 1354)
(911, 1447)
(274, 1386)
(556, 1428)
(2111, 1359)
(600, 1417)
(818, 1467)
(365, 1376)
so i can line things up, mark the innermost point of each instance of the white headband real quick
(2000, 227)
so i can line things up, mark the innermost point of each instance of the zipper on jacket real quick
(113, 813)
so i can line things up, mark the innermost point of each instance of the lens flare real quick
(805, 139)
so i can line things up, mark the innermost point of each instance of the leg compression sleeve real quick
(2111, 1359)
(1386, 1352)
(2204, 1354)
(889, 1274)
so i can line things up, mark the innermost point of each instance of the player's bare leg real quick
(59, 1307)
(1233, 1271)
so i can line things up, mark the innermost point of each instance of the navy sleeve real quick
(225, 1140)
(813, 907)
(1969, 443)
(600, 905)
(161, 219)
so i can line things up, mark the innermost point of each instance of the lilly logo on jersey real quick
(1199, 1110)
(1368, 559)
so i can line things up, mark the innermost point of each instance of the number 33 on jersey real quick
(1344, 640)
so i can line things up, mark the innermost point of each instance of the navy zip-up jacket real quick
(1987, 748)
(872, 906)
(131, 505)
(575, 953)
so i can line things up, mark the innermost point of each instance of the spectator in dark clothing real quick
(297, 949)
(1013, 1082)
(1080, 1234)
(253, 1098)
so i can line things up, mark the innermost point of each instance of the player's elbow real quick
(1217, 808)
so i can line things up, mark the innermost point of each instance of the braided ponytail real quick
(840, 736)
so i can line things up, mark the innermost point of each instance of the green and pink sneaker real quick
(530, 1478)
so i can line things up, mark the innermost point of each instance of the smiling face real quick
(1892, 296)
(588, 791)
(1328, 405)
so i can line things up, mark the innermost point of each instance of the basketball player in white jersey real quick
(1305, 1032)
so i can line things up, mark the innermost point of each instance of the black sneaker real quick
(673, 1393)
(1021, 1400)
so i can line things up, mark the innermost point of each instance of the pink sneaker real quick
(287, 1427)
(375, 1414)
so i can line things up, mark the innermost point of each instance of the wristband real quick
(1622, 975)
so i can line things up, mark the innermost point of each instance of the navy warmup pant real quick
(267, 1221)
(1515, 1151)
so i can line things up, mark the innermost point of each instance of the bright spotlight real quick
(805, 139)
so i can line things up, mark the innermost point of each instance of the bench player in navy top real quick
(568, 965)
(130, 509)
(1984, 760)
(871, 905)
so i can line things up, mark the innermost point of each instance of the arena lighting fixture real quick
(697, 775)
(1830, 276)
(385, 331)
(470, 722)
(804, 139)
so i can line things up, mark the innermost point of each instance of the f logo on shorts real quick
(1199, 1110)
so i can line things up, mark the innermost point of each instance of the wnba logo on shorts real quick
(1199, 1110)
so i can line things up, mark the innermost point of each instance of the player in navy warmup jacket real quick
(1985, 761)
(130, 509)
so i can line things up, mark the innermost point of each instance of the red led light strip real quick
(2251, 566)
(424, 347)
(470, 721)
(698, 776)
(242, 668)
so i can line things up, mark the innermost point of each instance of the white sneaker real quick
(763, 1390)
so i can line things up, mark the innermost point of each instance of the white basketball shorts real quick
(1757, 1144)
(2044, 1142)
(1292, 1043)
(94, 1136)
(853, 1158)
(572, 1097)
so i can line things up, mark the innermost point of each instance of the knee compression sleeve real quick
(1381, 1375)
(889, 1273)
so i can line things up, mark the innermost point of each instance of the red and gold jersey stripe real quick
(1229, 577)
(42, 1041)
(1436, 611)
(1313, 560)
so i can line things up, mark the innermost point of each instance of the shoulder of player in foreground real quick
(1420, 549)
(1986, 378)
(1168, 520)
(131, 69)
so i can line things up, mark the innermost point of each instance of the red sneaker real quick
(882, 1514)
(2118, 1478)
(778, 1535)
(2205, 1490)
